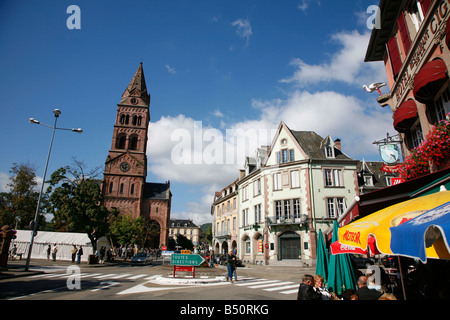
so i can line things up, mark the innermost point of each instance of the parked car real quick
(142, 258)
(362, 262)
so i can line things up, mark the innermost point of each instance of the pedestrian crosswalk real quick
(254, 283)
(96, 276)
(283, 287)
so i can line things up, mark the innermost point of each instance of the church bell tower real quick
(126, 165)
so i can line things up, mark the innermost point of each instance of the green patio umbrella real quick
(322, 256)
(341, 275)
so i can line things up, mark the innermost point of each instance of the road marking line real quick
(282, 288)
(121, 276)
(136, 276)
(290, 291)
(105, 276)
(109, 284)
(255, 282)
(270, 285)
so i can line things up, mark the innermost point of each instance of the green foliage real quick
(19, 204)
(76, 204)
(126, 230)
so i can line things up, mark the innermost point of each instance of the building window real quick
(245, 193)
(277, 181)
(247, 246)
(110, 187)
(296, 207)
(368, 181)
(133, 143)
(285, 156)
(245, 217)
(295, 179)
(416, 135)
(333, 177)
(329, 152)
(278, 210)
(257, 210)
(121, 188)
(257, 187)
(335, 207)
(132, 189)
(121, 141)
(287, 210)
(442, 104)
(394, 55)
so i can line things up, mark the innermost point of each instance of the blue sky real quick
(226, 65)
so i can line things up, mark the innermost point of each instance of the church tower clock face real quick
(124, 166)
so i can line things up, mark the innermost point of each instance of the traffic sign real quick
(164, 248)
(185, 251)
(186, 259)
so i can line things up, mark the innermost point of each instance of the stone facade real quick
(124, 185)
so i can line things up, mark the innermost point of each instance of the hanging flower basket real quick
(431, 155)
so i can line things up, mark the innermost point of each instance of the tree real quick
(76, 202)
(126, 230)
(19, 204)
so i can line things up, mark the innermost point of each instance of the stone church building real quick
(124, 183)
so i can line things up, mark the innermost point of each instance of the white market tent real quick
(63, 240)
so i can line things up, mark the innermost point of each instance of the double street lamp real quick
(57, 113)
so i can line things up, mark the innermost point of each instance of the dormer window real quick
(368, 180)
(329, 152)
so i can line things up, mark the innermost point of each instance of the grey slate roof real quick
(311, 143)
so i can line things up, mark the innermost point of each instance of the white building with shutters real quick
(289, 191)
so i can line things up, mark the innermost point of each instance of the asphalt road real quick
(62, 281)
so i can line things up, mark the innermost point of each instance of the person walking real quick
(74, 252)
(211, 259)
(49, 250)
(79, 254)
(231, 265)
(54, 252)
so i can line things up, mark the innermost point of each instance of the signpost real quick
(185, 262)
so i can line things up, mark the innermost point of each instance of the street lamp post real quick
(56, 112)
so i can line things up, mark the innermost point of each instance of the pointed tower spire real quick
(137, 88)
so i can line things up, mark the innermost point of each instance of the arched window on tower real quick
(121, 141)
(134, 122)
(127, 119)
(132, 189)
(133, 143)
(110, 187)
(121, 188)
(139, 120)
(122, 119)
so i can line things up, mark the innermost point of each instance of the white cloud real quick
(346, 65)
(243, 29)
(170, 69)
(184, 150)
(218, 113)
(304, 5)
(4, 180)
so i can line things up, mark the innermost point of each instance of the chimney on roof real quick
(337, 143)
